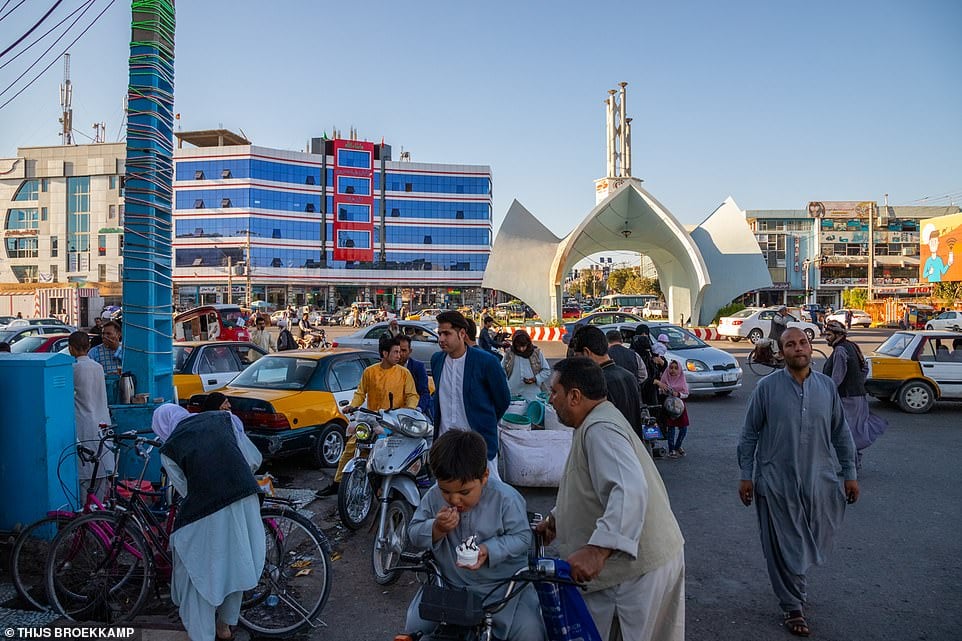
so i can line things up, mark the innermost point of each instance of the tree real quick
(855, 298)
(619, 280)
(948, 291)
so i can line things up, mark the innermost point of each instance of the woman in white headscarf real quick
(165, 419)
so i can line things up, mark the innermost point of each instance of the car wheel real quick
(726, 392)
(734, 339)
(810, 334)
(929, 326)
(956, 328)
(916, 397)
(329, 446)
(755, 335)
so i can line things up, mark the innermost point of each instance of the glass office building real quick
(340, 223)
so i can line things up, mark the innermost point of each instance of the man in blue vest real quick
(471, 388)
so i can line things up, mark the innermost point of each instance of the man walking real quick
(472, 391)
(796, 431)
(613, 521)
(262, 338)
(90, 412)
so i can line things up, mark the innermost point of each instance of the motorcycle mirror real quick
(344, 403)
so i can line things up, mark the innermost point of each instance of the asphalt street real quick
(894, 574)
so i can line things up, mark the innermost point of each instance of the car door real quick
(937, 363)
(371, 338)
(424, 344)
(344, 376)
(33, 331)
(216, 366)
(245, 354)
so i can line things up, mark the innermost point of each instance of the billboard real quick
(840, 208)
(353, 200)
(938, 237)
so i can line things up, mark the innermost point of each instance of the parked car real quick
(5, 321)
(291, 401)
(205, 366)
(28, 322)
(424, 339)
(428, 314)
(40, 343)
(708, 370)
(278, 315)
(211, 322)
(598, 318)
(571, 311)
(755, 323)
(946, 320)
(858, 317)
(14, 335)
(914, 369)
(655, 309)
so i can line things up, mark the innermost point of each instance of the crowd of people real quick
(798, 455)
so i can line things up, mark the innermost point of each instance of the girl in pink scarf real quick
(673, 383)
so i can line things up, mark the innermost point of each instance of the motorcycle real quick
(314, 340)
(391, 465)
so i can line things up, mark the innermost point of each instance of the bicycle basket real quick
(453, 606)
(763, 353)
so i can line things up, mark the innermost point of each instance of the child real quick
(464, 503)
(673, 383)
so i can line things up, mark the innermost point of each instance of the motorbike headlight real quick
(363, 432)
(413, 423)
(696, 366)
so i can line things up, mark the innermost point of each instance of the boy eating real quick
(466, 503)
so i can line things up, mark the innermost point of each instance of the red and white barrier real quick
(555, 333)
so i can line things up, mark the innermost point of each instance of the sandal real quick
(796, 623)
(680, 451)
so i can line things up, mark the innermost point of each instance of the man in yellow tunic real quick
(380, 384)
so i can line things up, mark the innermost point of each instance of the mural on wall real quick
(937, 251)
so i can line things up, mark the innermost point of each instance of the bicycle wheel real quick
(99, 569)
(760, 368)
(296, 580)
(28, 559)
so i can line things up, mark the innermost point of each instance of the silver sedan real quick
(423, 334)
(707, 370)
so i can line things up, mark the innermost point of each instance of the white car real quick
(858, 317)
(946, 320)
(755, 323)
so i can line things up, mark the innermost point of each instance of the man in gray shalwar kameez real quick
(90, 412)
(799, 450)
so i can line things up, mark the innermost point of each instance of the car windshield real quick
(678, 339)
(28, 344)
(277, 372)
(745, 313)
(895, 344)
(181, 354)
(232, 318)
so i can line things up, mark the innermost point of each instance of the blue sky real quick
(773, 103)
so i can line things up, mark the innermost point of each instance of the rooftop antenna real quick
(66, 98)
(100, 132)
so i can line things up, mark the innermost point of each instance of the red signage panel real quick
(353, 200)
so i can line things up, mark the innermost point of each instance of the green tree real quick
(619, 279)
(948, 291)
(855, 298)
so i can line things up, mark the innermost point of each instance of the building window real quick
(44, 184)
(101, 246)
(199, 203)
(408, 186)
(54, 246)
(276, 233)
(55, 273)
(20, 247)
(310, 180)
(354, 213)
(112, 182)
(28, 190)
(276, 262)
(427, 240)
(459, 214)
(352, 185)
(350, 239)
(225, 174)
(120, 245)
(23, 219)
(78, 214)
(309, 207)
(198, 175)
(101, 273)
(112, 211)
(43, 214)
(225, 202)
(395, 212)
(353, 158)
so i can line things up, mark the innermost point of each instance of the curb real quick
(550, 334)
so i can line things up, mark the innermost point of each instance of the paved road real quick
(894, 573)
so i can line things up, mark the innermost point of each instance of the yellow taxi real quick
(427, 314)
(916, 369)
(204, 366)
(291, 401)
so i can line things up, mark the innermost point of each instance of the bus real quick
(618, 301)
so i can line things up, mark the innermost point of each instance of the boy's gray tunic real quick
(798, 446)
(500, 522)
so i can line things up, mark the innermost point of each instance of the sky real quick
(772, 103)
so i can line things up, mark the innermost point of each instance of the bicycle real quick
(104, 564)
(763, 360)
(28, 557)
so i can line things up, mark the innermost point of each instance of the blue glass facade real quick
(435, 222)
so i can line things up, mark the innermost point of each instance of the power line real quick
(48, 32)
(52, 62)
(32, 29)
(15, 7)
